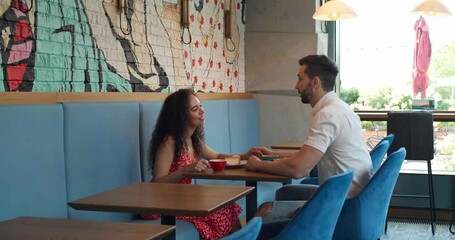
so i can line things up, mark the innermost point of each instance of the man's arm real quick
(296, 167)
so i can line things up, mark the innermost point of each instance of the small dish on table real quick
(236, 165)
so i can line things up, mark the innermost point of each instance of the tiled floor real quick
(400, 230)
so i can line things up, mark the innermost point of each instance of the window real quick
(376, 65)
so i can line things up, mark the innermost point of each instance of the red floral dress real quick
(214, 226)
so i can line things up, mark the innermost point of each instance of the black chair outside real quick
(413, 130)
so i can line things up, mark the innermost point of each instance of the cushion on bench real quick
(101, 152)
(32, 171)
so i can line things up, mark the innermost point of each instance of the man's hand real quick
(252, 164)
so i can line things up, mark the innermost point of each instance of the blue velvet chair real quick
(378, 152)
(364, 216)
(249, 232)
(377, 155)
(317, 218)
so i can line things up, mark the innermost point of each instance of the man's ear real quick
(316, 81)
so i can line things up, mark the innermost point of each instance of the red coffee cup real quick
(217, 164)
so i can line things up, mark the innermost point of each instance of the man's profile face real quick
(304, 86)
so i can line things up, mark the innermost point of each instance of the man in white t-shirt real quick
(334, 143)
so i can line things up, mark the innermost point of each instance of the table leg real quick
(169, 220)
(251, 200)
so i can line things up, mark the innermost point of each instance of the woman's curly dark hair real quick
(171, 122)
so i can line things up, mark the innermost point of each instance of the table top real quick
(163, 198)
(52, 228)
(238, 174)
(288, 145)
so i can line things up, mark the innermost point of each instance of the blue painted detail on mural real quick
(199, 5)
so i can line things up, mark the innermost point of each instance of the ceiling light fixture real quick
(432, 8)
(334, 10)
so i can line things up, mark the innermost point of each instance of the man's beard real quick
(306, 95)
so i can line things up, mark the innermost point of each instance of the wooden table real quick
(250, 178)
(167, 199)
(288, 145)
(52, 228)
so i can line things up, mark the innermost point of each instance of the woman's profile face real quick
(195, 112)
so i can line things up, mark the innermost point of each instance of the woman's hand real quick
(198, 166)
(258, 152)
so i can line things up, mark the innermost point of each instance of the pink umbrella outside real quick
(422, 57)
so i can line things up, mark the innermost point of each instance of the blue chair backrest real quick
(250, 231)
(378, 152)
(364, 216)
(318, 217)
(390, 137)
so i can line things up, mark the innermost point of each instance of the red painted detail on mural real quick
(193, 62)
(216, 2)
(185, 54)
(222, 6)
(18, 4)
(228, 72)
(195, 79)
(188, 75)
(202, 20)
(221, 86)
(204, 85)
(192, 17)
(230, 88)
(207, 1)
(196, 44)
(236, 73)
(215, 45)
(211, 20)
(206, 43)
(224, 54)
(219, 26)
(211, 63)
(15, 75)
(219, 65)
(200, 61)
(213, 83)
(238, 6)
(23, 31)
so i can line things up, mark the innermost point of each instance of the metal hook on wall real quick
(243, 11)
(185, 21)
(124, 6)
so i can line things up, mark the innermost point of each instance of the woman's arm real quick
(163, 160)
(209, 153)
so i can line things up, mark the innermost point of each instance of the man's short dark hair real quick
(323, 67)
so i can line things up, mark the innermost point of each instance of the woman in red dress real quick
(177, 146)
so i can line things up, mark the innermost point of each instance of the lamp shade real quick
(432, 8)
(334, 10)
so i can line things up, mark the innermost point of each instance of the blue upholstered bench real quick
(56, 153)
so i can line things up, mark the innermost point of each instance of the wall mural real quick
(97, 46)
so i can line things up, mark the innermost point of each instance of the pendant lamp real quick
(334, 10)
(432, 8)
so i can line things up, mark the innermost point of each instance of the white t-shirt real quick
(336, 131)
